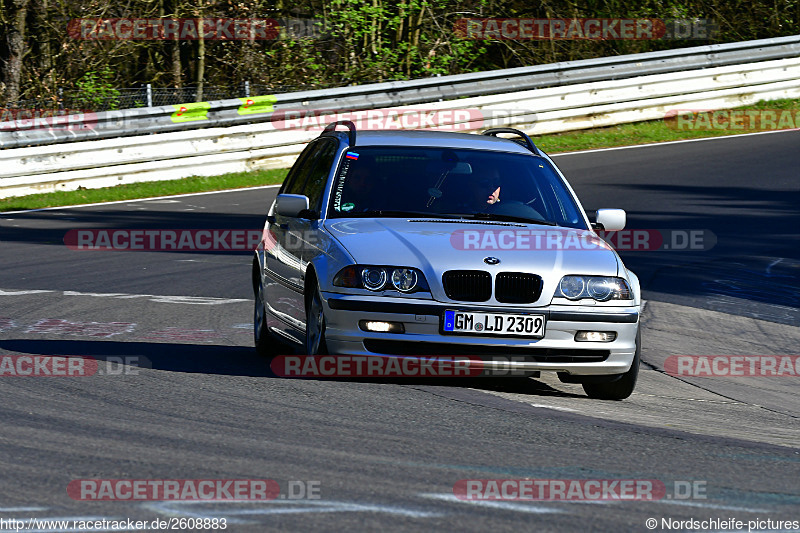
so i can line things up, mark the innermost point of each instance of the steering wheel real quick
(517, 209)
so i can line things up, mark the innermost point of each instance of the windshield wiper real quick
(507, 218)
(395, 213)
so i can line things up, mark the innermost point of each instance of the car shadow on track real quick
(190, 358)
(240, 361)
(518, 385)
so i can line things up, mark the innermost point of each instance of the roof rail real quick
(524, 140)
(351, 134)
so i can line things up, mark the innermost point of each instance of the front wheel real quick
(261, 336)
(622, 387)
(315, 325)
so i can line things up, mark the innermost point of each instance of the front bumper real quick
(556, 351)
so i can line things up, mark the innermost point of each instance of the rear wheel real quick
(623, 386)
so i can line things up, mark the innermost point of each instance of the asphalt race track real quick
(179, 393)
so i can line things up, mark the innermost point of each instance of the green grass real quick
(644, 132)
(149, 189)
(622, 135)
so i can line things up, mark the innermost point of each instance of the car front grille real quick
(467, 285)
(517, 287)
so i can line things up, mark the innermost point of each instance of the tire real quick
(621, 387)
(264, 343)
(315, 324)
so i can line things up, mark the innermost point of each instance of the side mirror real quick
(290, 205)
(611, 219)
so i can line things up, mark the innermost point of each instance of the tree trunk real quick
(41, 40)
(177, 70)
(201, 61)
(16, 12)
(170, 8)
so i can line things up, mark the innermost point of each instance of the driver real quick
(485, 188)
(468, 192)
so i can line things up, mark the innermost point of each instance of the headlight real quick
(378, 278)
(600, 288)
(404, 279)
(374, 278)
(572, 287)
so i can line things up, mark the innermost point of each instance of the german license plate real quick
(531, 326)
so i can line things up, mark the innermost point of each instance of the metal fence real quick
(149, 96)
(438, 88)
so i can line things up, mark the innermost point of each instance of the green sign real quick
(190, 112)
(257, 104)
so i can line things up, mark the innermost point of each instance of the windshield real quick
(442, 182)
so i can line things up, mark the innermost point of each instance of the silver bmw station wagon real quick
(422, 243)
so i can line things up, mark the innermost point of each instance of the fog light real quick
(595, 336)
(381, 327)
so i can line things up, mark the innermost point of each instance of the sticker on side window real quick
(337, 195)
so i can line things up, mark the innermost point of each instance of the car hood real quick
(436, 246)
